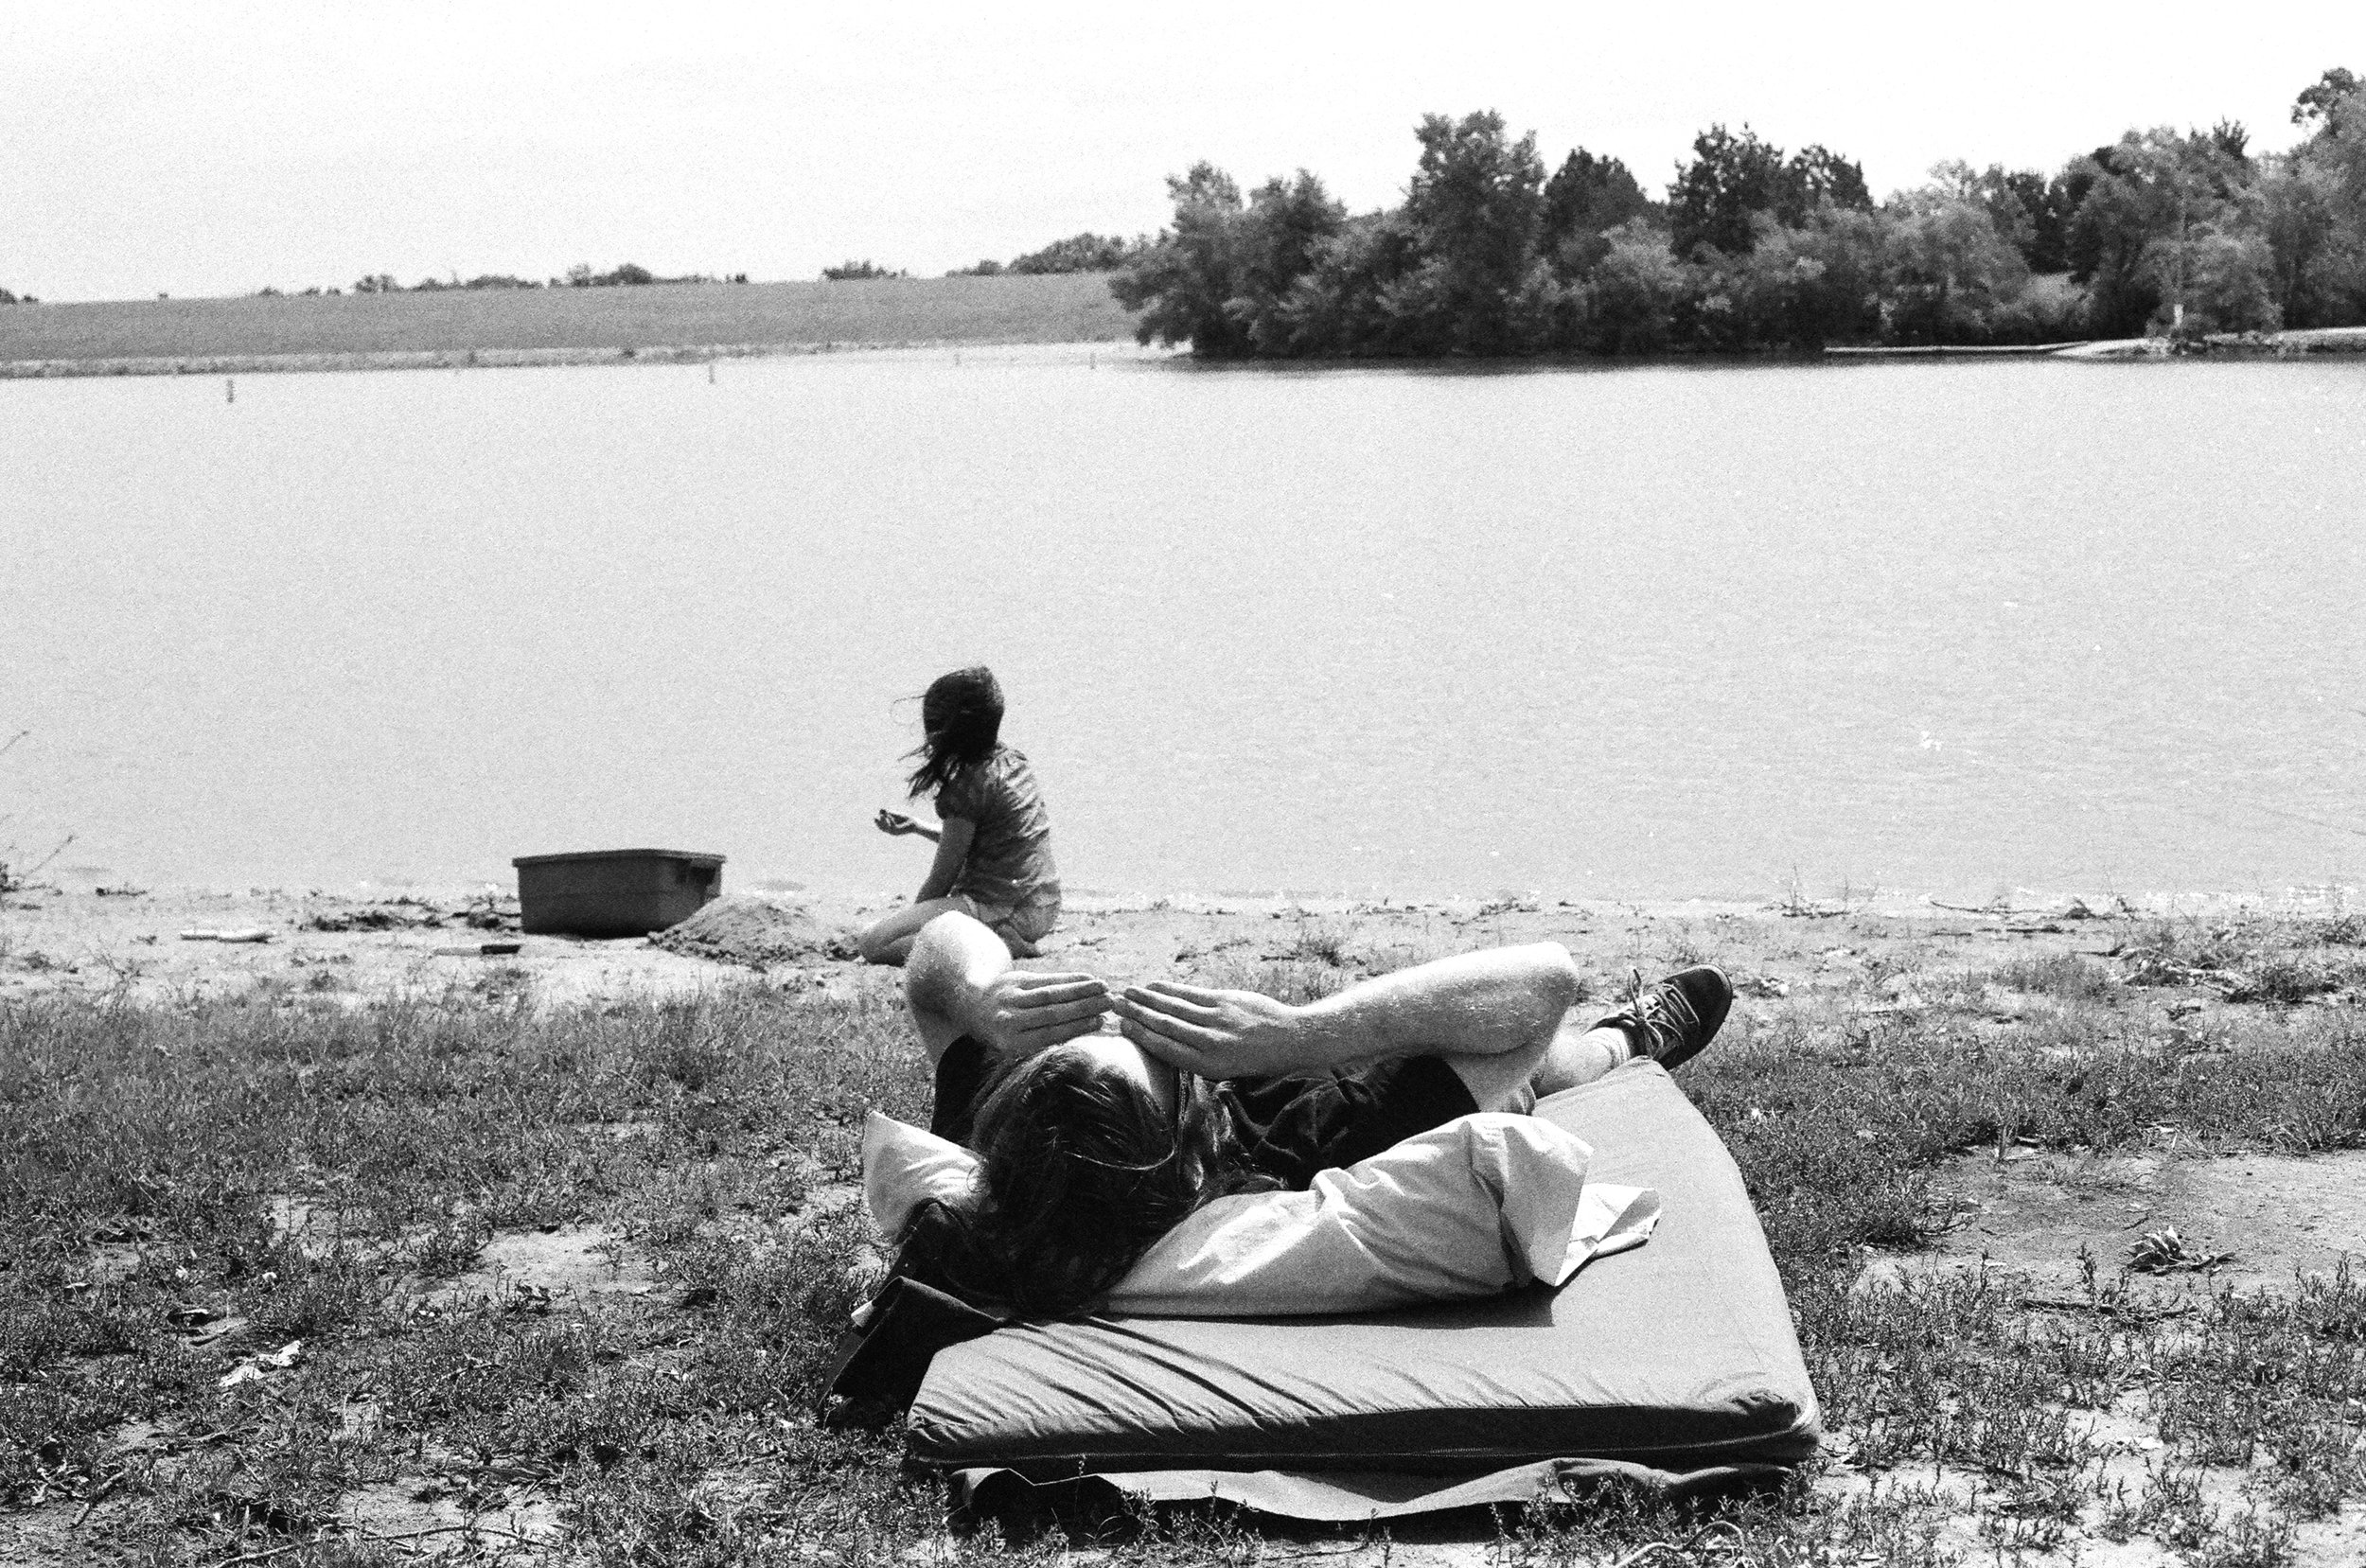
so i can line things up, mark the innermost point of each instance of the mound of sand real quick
(756, 933)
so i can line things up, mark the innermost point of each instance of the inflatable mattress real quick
(1675, 1360)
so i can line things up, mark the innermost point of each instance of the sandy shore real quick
(372, 944)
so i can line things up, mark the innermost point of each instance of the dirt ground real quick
(370, 943)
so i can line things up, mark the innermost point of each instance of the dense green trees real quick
(1754, 248)
(1473, 212)
(2313, 209)
(1185, 285)
(2167, 230)
(1732, 183)
(1586, 197)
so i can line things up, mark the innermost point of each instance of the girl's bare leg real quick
(890, 942)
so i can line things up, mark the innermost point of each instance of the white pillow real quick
(1481, 1205)
(904, 1166)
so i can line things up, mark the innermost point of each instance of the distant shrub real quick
(7, 298)
(627, 275)
(988, 267)
(486, 280)
(846, 272)
(1082, 253)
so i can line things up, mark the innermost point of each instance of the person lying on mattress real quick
(1092, 1146)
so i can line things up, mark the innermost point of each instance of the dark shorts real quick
(1290, 1128)
(1286, 1128)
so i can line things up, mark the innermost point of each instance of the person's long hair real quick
(960, 719)
(1080, 1172)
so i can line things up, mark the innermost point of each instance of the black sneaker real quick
(1672, 1019)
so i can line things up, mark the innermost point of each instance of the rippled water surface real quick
(1947, 627)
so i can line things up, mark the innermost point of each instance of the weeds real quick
(2068, 975)
(2279, 963)
(1320, 941)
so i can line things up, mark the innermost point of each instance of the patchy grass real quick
(151, 1155)
(2280, 962)
(2068, 976)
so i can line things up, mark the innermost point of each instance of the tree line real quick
(1081, 252)
(624, 275)
(2162, 232)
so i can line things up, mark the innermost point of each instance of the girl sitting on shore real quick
(994, 850)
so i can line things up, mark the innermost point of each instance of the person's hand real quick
(1023, 1011)
(1217, 1034)
(895, 823)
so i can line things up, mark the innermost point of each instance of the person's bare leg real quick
(1516, 1079)
(1499, 1082)
(1579, 1053)
(889, 941)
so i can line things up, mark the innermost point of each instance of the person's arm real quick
(1474, 1004)
(895, 822)
(952, 849)
(959, 980)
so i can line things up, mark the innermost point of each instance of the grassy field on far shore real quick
(1075, 308)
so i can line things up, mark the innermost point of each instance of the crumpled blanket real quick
(1484, 1204)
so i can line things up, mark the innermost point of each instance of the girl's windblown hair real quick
(962, 715)
(1080, 1172)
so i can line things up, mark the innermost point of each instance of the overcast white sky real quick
(212, 147)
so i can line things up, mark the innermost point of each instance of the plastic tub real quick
(613, 892)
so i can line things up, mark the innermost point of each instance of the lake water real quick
(1656, 632)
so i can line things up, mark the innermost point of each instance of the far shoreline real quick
(707, 323)
(506, 359)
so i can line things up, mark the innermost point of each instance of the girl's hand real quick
(895, 823)
(1217, 1034)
